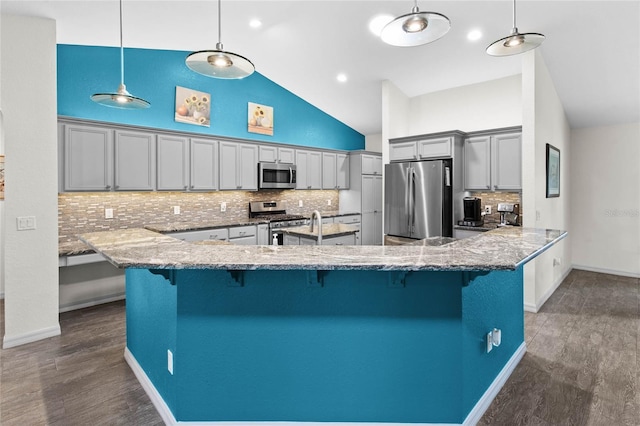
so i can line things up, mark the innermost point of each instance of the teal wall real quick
(154, 74)
(353, 350)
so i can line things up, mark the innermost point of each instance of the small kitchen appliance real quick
(276, 176)
(472, 212)
(509, 214)
(276, 213)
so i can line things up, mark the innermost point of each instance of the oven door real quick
(276, 176)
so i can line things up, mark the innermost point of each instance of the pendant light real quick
(415, 28)
(121, 98)
(218, 63)
(516, 42)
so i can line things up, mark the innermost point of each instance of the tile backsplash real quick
(493, 198)
(85, 212)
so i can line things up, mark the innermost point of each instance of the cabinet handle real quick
(309, 187)
(339, 244)
(239, 187)
(488, 186)
(108, 187)
(241, 232)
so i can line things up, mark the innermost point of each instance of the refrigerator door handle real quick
(407, 203)
(412, 200)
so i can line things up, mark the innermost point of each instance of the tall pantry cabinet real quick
(365, 194)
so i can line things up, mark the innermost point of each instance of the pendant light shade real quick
(415, 28)
(516, 42)
(219, 63)
(121, 98)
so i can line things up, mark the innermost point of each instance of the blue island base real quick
(322, 346)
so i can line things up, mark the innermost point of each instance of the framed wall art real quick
(192, 107)
(553, 171)
(260, 119)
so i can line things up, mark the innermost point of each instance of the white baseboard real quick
(487, 398)
(606, 271)
(473, 418)
(92, 302)
(534, 308)
(12, 341)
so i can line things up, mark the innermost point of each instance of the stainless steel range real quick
(276, 213)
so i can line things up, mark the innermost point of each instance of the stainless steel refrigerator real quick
(418, 199)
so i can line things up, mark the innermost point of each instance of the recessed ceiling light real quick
(474, 35)
(255, 23)
(378, 22)
(342, 77)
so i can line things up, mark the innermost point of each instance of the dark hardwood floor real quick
(582, 366)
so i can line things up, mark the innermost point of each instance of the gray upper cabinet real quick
(309, 169)
(238, 166)
(335, 170)
(506, 161)
(371, 164)
(493, 162)
(88, 158)
(172, 163)
(135, 166)
(273, 154)
(435, 148)
(403, 151)
(204, 165)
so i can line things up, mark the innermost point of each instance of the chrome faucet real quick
(316, 214)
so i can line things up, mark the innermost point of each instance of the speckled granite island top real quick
(329, 230)
(501, 249)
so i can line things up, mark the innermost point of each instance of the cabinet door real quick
(506, 161)
(268, 154)
(172, 163)
(435, 148)
(309, 169)
(248, 167)
(204, 165)
(403, 151)
(367, 229)
(377, 228)
(342, 171)
(477, 163)
(263, 234)
(229, 165)
(371, 194)
(371, 164)
(88, 158)
(286, 155)
(329, 170)
(135, 161)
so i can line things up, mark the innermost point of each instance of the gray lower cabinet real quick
(263, 234)
(220, 234)
(343, 240)
(371, 224)
(172, 163)
(238, 166)
(135, 166)
(309, 169)
(87, 158)
(351, 220)
(493, 162)
(244, 235)
(204, 165)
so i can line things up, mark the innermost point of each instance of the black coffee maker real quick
(472, 212)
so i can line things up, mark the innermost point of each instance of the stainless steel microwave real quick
(276, 176)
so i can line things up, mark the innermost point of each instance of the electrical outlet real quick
(300, 203)
(108, 213)
(487, 209)
(328, 202)
(557, 261)
(26, 223)
(176, 209)
(170, 361)
(223, 206)
(537, 214)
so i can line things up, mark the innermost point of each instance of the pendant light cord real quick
(514, 15)
(121, 49)
(219, 23)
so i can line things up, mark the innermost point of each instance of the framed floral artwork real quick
(193, 107)
(260, 119)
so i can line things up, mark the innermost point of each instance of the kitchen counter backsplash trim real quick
(80, 213)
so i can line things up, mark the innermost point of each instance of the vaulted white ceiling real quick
(592, 48)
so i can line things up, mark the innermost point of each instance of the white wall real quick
(544, 121)
(373, 143)
(482, 106)
(605, 199)
(29, 107)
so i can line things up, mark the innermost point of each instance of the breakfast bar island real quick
(342, 334)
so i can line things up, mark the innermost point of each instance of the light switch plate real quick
(26, 223)
(176, 209)
(223, 206)
(108, 213)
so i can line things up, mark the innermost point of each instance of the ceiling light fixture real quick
(218, 63)
(516, 42)
(415, 28)
(121, 98)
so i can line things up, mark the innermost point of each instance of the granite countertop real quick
(329, 230)
(500, 249)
